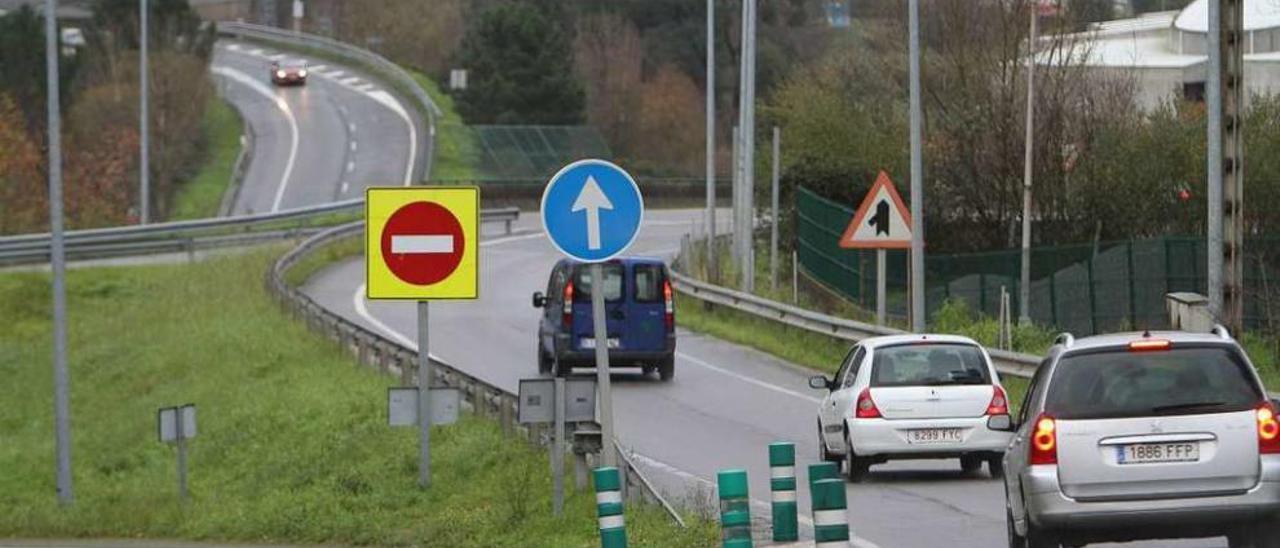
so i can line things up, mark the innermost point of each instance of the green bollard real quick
(613, 527)
(735, 509)
(782, 483)
(823, 470)
(830, 521)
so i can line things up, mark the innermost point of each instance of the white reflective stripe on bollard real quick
(609, 497)
(784, 496)
(782, 472)
(829, 517)
(612, 522)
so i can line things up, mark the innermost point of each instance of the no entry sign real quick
(422, 242)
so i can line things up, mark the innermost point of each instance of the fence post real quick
(830, 521)
(782, 481)
(735, 509)
(613, 530)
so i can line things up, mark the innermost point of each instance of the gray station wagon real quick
(1143, 436)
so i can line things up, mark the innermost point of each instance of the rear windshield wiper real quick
(1184, 406)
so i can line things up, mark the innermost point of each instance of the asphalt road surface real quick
(322, 142)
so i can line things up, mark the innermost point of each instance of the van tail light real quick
(866, 407)
(669, 318)
(1268, 429)
(1044, 441)
(567, 313)
(999, 403)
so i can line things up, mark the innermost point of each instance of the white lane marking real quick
(351, 166)
(350, 81)
(276, 57)
(345, 186)
(351, 127)
(366, 88)
(318, 68)
(281, 104)
(353, 146)
(256, 51)
(233, 47)
(336, 74)
(357, 300)
(436, 243)
(745, 378)
(390, 102)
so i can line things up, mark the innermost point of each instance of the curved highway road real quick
(322, 142)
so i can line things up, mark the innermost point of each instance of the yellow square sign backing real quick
(422, 243)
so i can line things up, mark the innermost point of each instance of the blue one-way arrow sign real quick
(592, 210)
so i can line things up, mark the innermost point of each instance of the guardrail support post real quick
(782, 481)
(830, 521)
(735, 509)
(613, 530)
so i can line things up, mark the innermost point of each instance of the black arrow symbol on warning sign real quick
(881, 219)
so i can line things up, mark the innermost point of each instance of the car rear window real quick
(612, 283)
(1119, 383)
(929, 364)
(648, 280)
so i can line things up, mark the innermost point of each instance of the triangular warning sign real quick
(881, 222)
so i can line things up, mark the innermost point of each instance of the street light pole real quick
(917, 176)
(144, 167)
(61, 378)
(712, 261)
(1024, 288)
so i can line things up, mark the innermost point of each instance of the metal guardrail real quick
(378, 351)
(1009, 363)
(394, 75)
(191, 235)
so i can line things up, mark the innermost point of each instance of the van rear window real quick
(612, 283)
(1117, 383)
(648, 280)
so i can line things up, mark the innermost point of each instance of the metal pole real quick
(182, 455)
(881, 306)
(61, 378)
(144, 169)
(712, 263)
(749, 152)
(773, 236)
(557, 451)
(736, 187)
(1213, 99)
(1024, 288)
(917, 178)
(795, 277)
(601, 334)
(424, 397)
(1232, 95)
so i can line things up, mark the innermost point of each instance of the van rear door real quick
(646, 329)
(614, 306)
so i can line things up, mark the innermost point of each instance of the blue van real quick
(641, 321)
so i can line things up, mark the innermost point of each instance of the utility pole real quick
(917, 176)
(773, 233)
(144, 167)
(1024, 288)
(61, 378)
(1232, 89)
(712, 261)
(1213, 100)
(747, 142)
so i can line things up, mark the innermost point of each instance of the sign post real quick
(557, 401)
(178, 424)
(421, 245)
(881, 222)
(591, 211)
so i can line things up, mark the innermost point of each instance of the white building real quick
(1165, 51)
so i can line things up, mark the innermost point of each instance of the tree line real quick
(99, 92)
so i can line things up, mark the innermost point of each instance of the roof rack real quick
(1221, 331)
(1065, 339)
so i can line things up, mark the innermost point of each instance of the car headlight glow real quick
(279, 74)
(302, 73)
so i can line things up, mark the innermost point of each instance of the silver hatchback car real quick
(1144, 436)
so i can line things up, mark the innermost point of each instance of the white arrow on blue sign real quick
(592, 210)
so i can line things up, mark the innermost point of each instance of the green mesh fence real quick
(516, 154)
(1082, 288)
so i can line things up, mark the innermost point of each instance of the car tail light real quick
(566, 317)
(1044, 441)
(670, 317)
(1149, 345)
(999, 403)
(1268, 429)
(866, 407)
